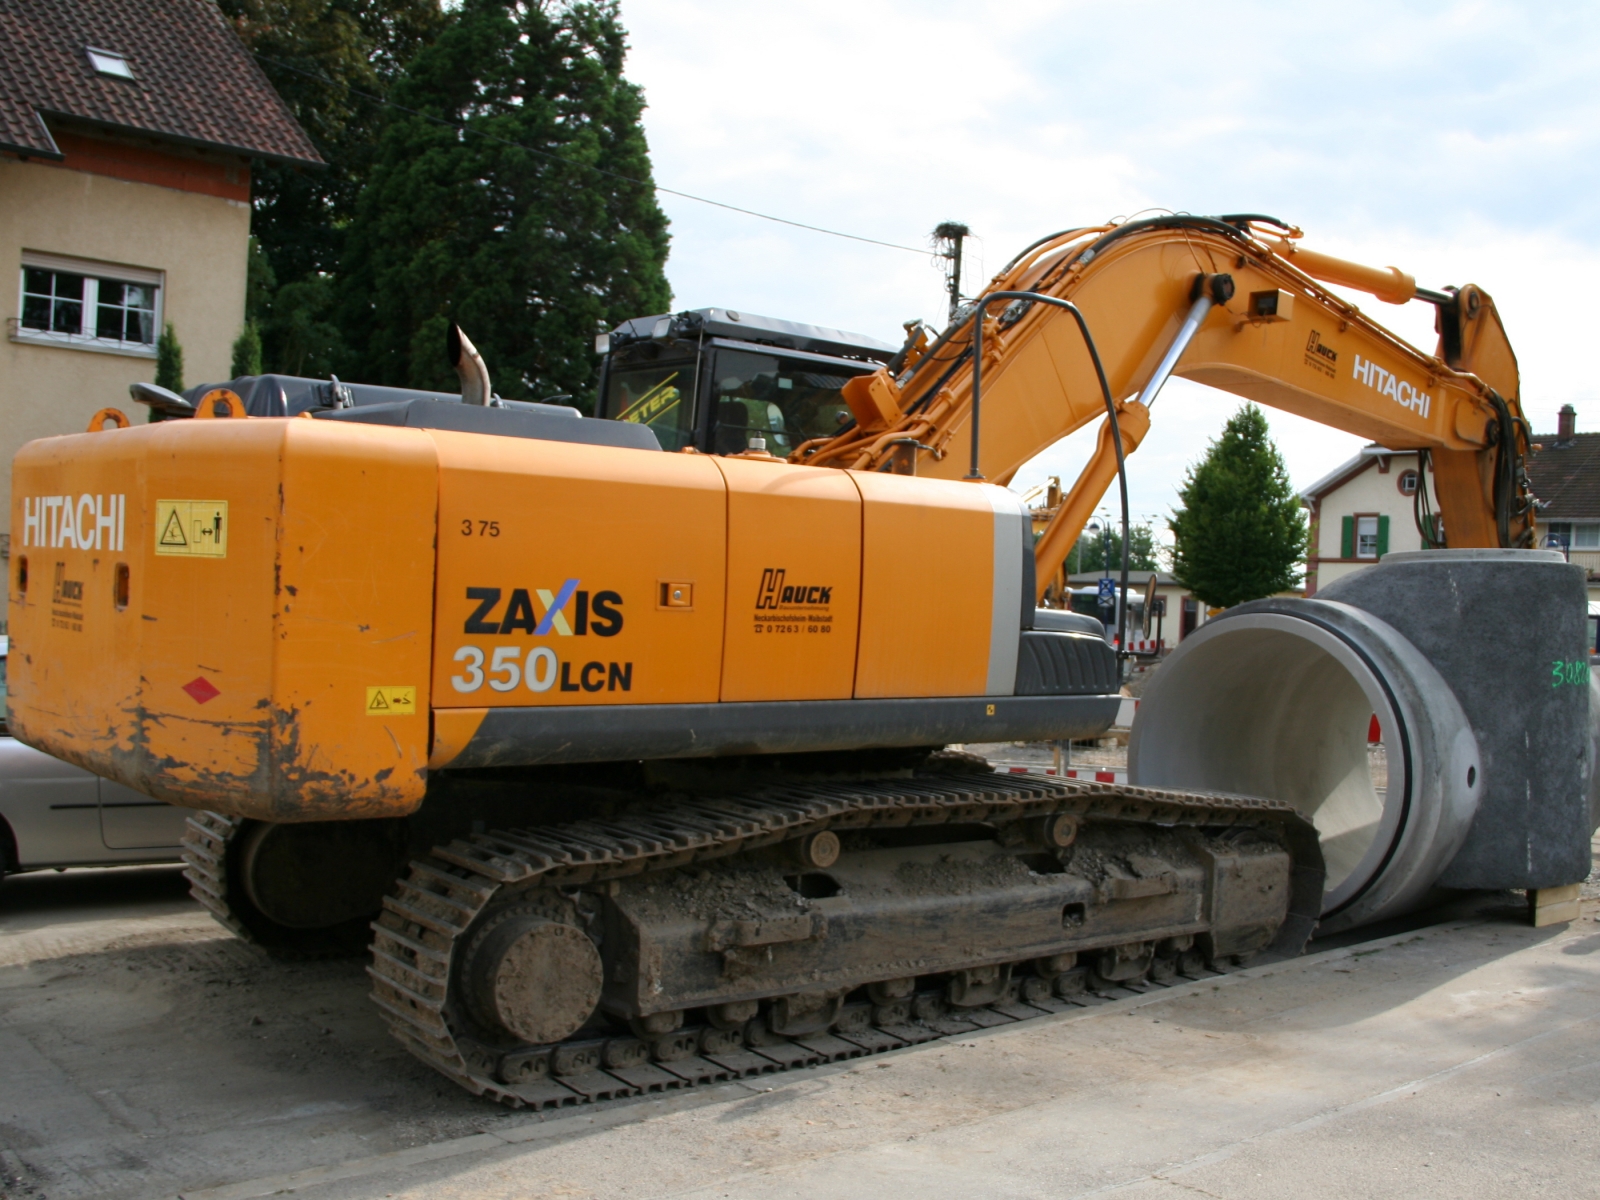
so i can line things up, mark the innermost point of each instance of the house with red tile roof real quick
(1564, 473)
(1361, 511)
(1370, 505)
(127, 136)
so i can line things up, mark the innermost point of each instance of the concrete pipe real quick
(1489, 763)
(1278, 702)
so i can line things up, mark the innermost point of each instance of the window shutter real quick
(1347, 537)
(1383, 536)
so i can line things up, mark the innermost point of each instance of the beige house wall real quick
(201, 243)
(1369, 492)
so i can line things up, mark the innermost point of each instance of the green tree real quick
(333, 62)
(247, 351)
(533, 226)
(260, 282)
(169, 360)
(1241, 533)
(1090, 552)
(308, 340)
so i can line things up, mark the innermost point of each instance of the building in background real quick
(127, 132)
(1367, 507)
(1184, 614)
(1360, 512)
(1564, 472)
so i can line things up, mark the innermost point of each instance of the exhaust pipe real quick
(469, 365)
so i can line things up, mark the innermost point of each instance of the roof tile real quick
(1566, 476)
(194, 82)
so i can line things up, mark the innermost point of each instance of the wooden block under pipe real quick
(1553, 905)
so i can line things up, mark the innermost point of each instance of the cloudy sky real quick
(1454, 140)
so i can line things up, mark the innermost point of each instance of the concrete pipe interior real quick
(1281, 712)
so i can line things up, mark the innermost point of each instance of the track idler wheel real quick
(531, 975)
(312, 889)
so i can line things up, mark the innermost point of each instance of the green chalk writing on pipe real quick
(1571, 673)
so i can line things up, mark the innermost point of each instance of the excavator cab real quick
(721, 381)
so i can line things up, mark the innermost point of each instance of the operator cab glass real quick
(660, 395)
(783, 401)
(715, 380)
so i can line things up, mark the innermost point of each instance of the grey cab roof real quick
(741, 326)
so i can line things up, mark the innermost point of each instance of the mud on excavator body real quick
(298, 619)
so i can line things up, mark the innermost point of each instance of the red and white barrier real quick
(1087, 773)
(1146, 645)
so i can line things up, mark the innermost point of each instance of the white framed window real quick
(1574, 535)
(88, 305)
(1366, 537)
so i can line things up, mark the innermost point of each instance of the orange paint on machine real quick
(634, 741)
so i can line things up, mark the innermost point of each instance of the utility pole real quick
(947, 240)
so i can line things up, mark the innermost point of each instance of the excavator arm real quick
(1222, 302)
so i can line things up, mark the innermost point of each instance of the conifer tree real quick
(332, 62)
(169, 360)
(1241, 533)
(247, 351)
(533, 226)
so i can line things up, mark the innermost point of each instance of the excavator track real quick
(452, 899)
(205, 866)
(214, 846)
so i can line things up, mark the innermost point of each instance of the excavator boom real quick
(1270, 331)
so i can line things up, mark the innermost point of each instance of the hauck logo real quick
(1397, 389)
(775, 593)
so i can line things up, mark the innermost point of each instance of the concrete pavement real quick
(147, 1055)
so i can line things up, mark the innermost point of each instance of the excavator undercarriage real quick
(726, 933)
(697, 937)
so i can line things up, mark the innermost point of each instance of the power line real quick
(463, 127)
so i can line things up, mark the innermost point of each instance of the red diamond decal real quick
(202, 689)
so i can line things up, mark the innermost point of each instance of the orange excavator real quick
(633, 730)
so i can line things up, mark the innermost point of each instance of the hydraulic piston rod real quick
(1210, 290)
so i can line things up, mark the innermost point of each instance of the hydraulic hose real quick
(982, 304)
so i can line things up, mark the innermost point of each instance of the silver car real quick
(53, 814)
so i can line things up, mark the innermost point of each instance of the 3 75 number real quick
(481, 528)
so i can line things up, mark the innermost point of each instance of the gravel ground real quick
(147, 1054)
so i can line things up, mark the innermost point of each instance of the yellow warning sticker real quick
(196, 528)
(391, 701)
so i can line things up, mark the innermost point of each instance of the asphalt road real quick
(143, 1053)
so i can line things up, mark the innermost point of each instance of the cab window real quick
(783, 401)
(659, 395)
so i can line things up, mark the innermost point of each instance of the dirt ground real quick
(145, 1053)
